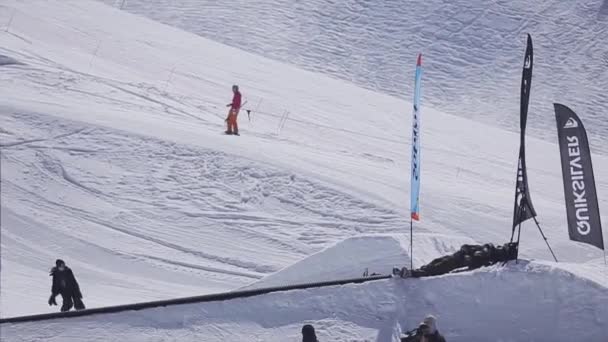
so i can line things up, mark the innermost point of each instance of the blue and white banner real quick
(415, 180)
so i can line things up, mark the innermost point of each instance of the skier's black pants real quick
(67, 302)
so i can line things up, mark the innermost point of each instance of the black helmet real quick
(59, 263)
(308, 333)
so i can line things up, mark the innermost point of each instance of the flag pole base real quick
(522, 206)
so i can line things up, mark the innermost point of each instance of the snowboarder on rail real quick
(469, 256)
(233, 113)
(65, 284)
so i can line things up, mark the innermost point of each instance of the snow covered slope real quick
(472, 49)
(525, 302)
(113, 159)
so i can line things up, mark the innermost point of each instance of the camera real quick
(423, 329)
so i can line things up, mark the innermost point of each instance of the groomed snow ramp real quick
(519, 302)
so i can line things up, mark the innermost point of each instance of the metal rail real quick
(188, 300)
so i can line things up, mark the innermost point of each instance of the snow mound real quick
(349, 258)
(345, 260)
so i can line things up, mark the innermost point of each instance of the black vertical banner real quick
(523, 208)
(582, 209)
(526, 84)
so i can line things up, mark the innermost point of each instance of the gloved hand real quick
(52, 300)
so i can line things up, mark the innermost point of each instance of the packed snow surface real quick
(471, 49)
(113, 158)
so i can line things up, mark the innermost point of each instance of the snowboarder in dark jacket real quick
(308, 334)
(65, 284)
(469, 256)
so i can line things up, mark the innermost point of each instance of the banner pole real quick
(544, 237)
(513, 233)
(518, 235)
(412, 244)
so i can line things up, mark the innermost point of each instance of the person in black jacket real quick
(429, 330)
(426, 332)
(65, 284)
(308, 334)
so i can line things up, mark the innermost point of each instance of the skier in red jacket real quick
(235, 106)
